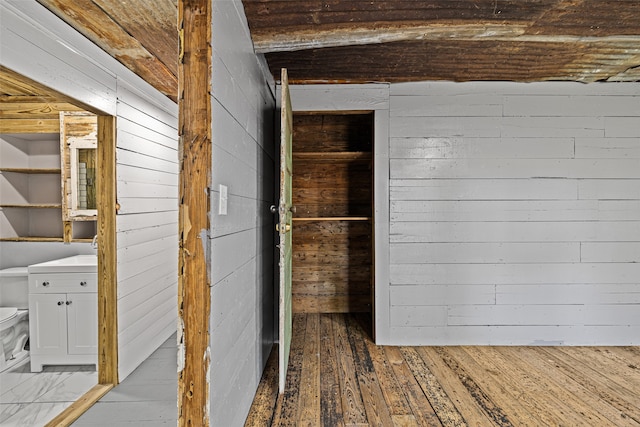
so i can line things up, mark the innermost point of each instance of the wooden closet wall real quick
(332, 226)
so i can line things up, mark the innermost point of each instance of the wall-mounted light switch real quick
(222, 206)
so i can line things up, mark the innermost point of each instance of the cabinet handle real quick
(45, 284)
(83, 283)
(60, 302)
(68, 302)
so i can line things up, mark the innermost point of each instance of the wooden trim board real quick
(195, 148)
(107, 253)
(80, 406)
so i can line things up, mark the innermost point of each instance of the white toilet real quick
(14, 317)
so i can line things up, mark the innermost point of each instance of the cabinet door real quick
(48, 324)
(82, 323)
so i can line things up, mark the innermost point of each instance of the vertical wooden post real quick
(107, 262)
(194, 292)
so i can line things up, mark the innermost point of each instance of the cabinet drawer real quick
(69, 282)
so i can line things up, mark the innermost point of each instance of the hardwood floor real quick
(338, 377)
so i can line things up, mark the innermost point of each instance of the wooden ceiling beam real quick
(289, 41)
(14, 107)
(92, 21)
(317, 38)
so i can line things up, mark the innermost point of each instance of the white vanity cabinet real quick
(63, 319)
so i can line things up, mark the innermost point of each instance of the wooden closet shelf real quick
(335, 218)
(33, 206)
(32, 170)
(31, 239)
(333, 155)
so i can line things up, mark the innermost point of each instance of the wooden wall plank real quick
(467, 274)
(552, 294)
(548, 231)
(569, 106)
(485, 252)
(482, 148)
(514, 168)
(617, 148)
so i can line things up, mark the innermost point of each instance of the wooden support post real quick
(107, 262)
(194, 291)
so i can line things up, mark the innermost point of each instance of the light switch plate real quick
(222, 206)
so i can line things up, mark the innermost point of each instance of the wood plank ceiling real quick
(391, 41)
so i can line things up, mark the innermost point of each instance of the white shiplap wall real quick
(514, 213)
(242, 295)
(37, 44)
(147, 223)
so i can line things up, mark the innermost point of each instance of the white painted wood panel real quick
(514, 210)
(484, 127)
(417, 316)
(240, 178)
(143, 161)
(560, 105)
(228, 261)
(149, 191)
(143, 264)
(460, 105)
(552, 127)
(483, 189)
(241, 333)
(622, 127)
(147, 218)
(487, 274)
(137, 205)
(134, 109)
(569, 231)
(160, 277)
(339, 97)
(516, 213)
(610, 252)
(154, 147)
(609, 189)
(482, 148)
(607, 148)
(543, 315)
(552, 294)
(242, 214)
(140, 222)
(494, 253)
(428, 295)
(127, 173)
(141, 235)
(514, 168)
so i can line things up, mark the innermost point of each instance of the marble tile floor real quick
(146, 398)
(32, 399)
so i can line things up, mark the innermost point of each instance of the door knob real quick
(273, 209)
(45, 284)
(83, 283)
(60, 302)
(287, 227)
